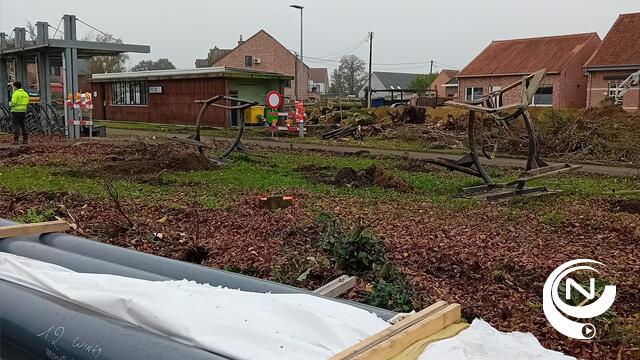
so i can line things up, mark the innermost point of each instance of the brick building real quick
(263, 52)
(169, 96)
(505, 62)
(617, 57)
(442, 85)
(318, 81)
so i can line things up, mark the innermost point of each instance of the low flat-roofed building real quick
(168, 96)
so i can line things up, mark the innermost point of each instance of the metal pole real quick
(301, 123)
(370, 63)
(4, 77)
(301, 35)
(431, 69)
(297, 78)
(301, 68)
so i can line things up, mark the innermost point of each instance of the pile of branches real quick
(373, 121)
(333, 112)
(409, 115)
(606, 132)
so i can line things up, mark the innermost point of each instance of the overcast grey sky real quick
(409, 31)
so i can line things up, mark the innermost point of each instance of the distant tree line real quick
(352, 75)
(160, 64)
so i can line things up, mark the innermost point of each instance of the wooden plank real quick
(370, 342)
(337, 287)
(32, 229)
(425, 328)
(414, 351)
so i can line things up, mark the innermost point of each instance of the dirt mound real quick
(13, 152)
(374, 175)
(626, 206)
(144, 162)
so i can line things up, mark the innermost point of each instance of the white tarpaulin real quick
(233, 323)
(482, 342)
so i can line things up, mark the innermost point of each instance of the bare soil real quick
(374, 175)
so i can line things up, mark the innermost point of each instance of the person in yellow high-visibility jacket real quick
(18, 106)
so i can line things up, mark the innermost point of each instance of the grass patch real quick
(280, 173)
(587, 186)
(554, 218)
(35, 215)
(49, 179)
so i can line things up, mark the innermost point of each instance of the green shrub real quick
(394, 294)
(354, 251)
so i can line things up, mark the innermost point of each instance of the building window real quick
(473, 93)
(56, 70)
(494, 88)
(544, 96)
(248, 61)
(129, 93)
(613, 90)
(287, 83)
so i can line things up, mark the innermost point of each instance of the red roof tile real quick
(450, 73)
(318, 75)
(525, 56)
(621, 46)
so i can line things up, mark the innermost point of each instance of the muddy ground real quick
(374, 175)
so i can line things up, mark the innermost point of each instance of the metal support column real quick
(4, 78)
(71, 75)
(20, 61)
(43, 63)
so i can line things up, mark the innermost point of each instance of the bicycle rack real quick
(5, 119)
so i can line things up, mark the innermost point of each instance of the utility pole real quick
(431, 69)
(370, 61)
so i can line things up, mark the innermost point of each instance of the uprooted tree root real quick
(375, 175)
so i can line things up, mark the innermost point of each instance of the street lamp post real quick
(301, 68)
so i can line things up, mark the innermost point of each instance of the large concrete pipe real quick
(178, 269)
(29, 247)
(37, 326)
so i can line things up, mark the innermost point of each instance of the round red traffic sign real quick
(274, 100)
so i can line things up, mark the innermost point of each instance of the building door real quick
(101, 102)
(233, 117)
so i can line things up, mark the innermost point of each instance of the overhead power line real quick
(350, 48)
(57, 28)
(100, 31)
(448, 66)
(390, 65)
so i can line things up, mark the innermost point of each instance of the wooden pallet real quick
(401, 336)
